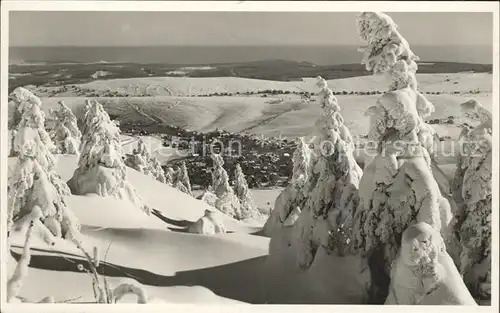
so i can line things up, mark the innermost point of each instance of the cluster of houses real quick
(266, 162)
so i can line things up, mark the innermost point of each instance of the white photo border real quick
(255, 6)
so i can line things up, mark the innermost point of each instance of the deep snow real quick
(177, 267)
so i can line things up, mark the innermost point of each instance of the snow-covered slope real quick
(154, 252)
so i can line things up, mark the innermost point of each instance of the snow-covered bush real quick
(34, 181)
(295, 194)
(472, 188)
(208, 197)
(333, 181)
(101, 168)
(423, 273)
(397, 187)
(210, 223)
(248, 208)
(65, 134)
(227, 201)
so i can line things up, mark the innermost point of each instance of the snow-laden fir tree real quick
(473, 194)
(210, 223)
(248, 208)
(397, 187)
(65, 134)
(182, 179)
(101, 168)
(333, 181)
(295, 193)
(157, 170)
(35, 182)
(227, 201)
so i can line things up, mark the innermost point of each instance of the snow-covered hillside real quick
(290, 116)
(107, 220)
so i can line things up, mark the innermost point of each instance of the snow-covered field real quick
(289, 117)
(194, 86)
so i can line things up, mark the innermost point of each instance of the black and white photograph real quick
(242, 152)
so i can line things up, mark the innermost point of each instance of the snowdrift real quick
(156, 253)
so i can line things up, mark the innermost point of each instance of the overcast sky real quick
(235, 28)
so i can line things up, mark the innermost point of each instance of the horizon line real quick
(228, 45)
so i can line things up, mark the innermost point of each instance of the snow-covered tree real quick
(144, 162)
(183, 179)
(473, 194)
(13, 122)
(141, 158)
(247, 206)
(35, 182)
(227, 201)
(157, 170)
(333, 182)
(316, 233)
(295, 194)
(65, 134)
(397, 187)
(301, 160)
(388, 53)
(322, 196)
(15, 282)
(170, 176)
(101, 168)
